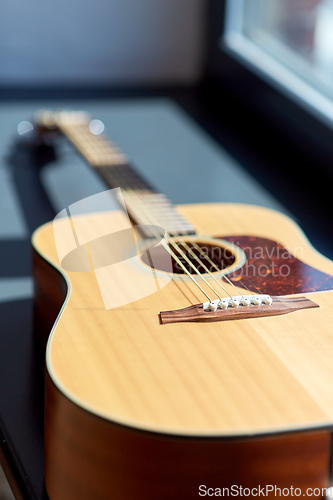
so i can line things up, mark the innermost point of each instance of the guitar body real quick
(140, 409)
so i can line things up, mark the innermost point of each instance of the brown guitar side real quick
(87, 457)
(50, 292)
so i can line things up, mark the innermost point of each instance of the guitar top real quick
(210, 348)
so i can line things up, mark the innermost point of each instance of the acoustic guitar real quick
(189, 349)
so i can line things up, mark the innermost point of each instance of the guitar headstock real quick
(48, 120)
(46, 125)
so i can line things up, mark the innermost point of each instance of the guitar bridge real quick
(201, 313)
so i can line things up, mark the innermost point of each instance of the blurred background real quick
(108, 42)
(213, 101)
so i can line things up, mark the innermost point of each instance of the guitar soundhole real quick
(215, 258)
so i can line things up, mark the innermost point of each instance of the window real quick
(288, 41)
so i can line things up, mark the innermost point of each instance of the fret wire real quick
(145, 193)
(122, 176)
(180, 221)
(79, 133)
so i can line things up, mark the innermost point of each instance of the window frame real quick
(251, 56)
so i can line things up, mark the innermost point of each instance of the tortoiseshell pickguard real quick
(273, 270)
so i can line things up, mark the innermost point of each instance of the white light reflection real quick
(96, 127)
(24, 127)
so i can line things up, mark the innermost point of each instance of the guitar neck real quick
(145, 204)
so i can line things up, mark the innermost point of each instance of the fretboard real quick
(145, 204)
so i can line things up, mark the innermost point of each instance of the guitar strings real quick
(194, 243)
(202, 253)
(258, 289)
(184, 244)
(218, 269)
(175, 245)
(168, 249)
(243, 284)
(205, 256)
(130, 192)
(171, 252)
